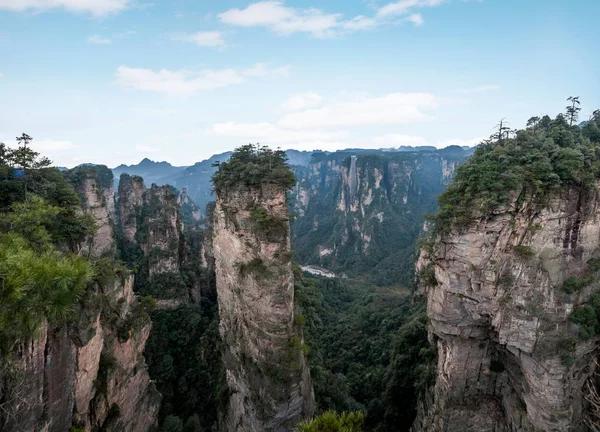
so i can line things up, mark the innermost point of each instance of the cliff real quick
(361, 214)
(269, 381)
(90, 372)
(511, 278)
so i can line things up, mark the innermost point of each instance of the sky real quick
(115, 81)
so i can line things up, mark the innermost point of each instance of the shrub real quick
(586, 318)
(255, 267)
(575, 284)
(330, 421)
(267, 225)
(523, 252)
(427, 276)
(251, 166)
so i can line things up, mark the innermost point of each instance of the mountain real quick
(360, 214)
(149, 170)
(511, 275)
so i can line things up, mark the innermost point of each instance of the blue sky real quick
(114, 81)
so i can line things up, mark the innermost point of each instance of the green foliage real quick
(184, 358)
(252, 166)
(388, 179)
(369, 350)
(523, 252)
(172, 424)
(22, 156)
(575, 284)
(330, 421)
(36, 285)
(102, 174)
(256, 267)
(587, 318)
(427, 276)
(270, 227)
(534, 164)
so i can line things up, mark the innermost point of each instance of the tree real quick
(172, 424)
(24, 157)
(573, 109)
(532, 122)
(330, 421)
(502, 129)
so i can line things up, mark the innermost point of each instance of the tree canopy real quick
(253, 165)
(534, 163)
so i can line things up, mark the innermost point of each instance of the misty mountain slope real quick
(149, 170)
(361, 214)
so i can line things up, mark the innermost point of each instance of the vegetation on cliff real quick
(368, 350)
(40, 228)
(532, 162)
(251, 166)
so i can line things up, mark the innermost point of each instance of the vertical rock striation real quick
(362, 214)
(269, 381)
(89, 373)
(509, 358)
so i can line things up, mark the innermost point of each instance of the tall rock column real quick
(501, 310)
(267, 373)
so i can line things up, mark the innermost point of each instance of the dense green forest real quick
(532, 162)
(40, 230)
(368, 349)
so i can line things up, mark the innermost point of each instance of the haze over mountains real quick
(196, 178)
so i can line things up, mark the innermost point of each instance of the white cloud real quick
(416, 19)
(213, 39)
(302, 101)
(189, 82)
(98, 40)
(1, 75)
(327, 127)
(95, 7)
(404, 7)
(391, 109)
(270, 133)
(479, 89)
(287, 20)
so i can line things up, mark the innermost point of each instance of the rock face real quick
(509, 358)
(267, 375)
(130, 200)
(362, 213)
(161, 229)
(90, 373)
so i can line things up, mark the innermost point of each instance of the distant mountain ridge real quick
(196, 178)
(149, 170)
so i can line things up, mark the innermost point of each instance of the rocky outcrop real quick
(90, 373)
(267, 375)
(361, 214)
(509, 357)
(94, 186)
(160, 231)
(130, 200)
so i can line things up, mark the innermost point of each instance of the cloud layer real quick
(186, 82)
(312, 122)
(95, 7)
(285, 20)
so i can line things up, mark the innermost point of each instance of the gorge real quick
(143, 311)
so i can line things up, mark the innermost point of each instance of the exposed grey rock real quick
(268, 378)
(501, 319)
